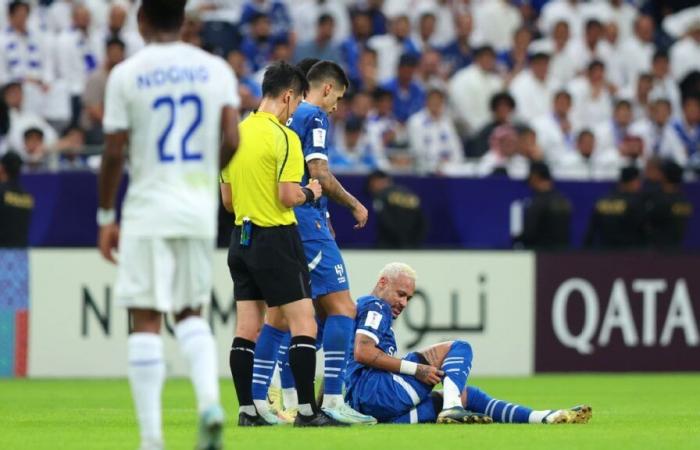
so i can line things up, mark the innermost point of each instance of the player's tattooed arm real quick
(429, 374)
(319, 170)
(367, 354)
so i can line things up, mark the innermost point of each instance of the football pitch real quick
(629, 412)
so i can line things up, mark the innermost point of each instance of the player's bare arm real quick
(226, 196)
(367, 354)
(319, 170)
(110, 176)
(292, 194)
(229, 135)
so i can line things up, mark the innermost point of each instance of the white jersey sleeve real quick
(116, 117)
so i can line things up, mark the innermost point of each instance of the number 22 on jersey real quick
(173, 107)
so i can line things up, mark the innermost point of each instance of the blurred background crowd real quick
(447, 88)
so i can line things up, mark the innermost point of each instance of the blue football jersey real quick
(312, 126)
(374, 319)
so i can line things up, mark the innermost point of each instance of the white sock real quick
(197, 344)
(146, 377)
(248, 409)
(289, 397)
(537, 416)
(332, 401)
(262, 406)
(451, 395)
(306, 410)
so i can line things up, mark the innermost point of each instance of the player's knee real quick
(465, 348)
(248, 329)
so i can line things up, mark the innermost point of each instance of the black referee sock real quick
(241, 364)
(302, 359)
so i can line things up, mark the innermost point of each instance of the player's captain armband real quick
(319, 135)
(373, 320)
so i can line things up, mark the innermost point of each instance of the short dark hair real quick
(408, 60)
(540, 169)
(33, 131)
(115, 41)
(590, 23)
(673, 173)
(325, 17)
(629, 173)
(166, 15)
(660, 54)
(380, 93)
(15, 5)
(501, 97)
(12, 163)
(564, 93)
(324, 70)
(583, 133)
(280, 76)
(623, 103)
(596, 63)
(483, 50)
(306, 64)
(690, 98)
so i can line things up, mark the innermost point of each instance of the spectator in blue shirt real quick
(355, 153)
(257, 45)
(322, 47)
(352, 47)
(379, 20)
(458, 54)
(409, 96)
(275, 10)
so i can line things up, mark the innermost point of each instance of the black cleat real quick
(320, 419)
(246, 420)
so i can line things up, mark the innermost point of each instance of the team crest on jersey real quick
(340, 271)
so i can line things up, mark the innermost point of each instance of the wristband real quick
(309, 195)
(106, 217)
(408, 367)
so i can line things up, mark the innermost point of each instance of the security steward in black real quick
(618, 219)
(668, 210)
(15, 204)
(547, 214)
(401, 223)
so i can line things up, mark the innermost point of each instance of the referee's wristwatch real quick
(106, 217)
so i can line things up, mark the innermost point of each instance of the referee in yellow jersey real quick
(261, 185)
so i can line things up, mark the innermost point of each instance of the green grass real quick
(629, 412)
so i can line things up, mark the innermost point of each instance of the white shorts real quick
(164, 274)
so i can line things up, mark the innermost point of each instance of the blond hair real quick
(395, 269)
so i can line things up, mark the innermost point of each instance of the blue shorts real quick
(326, 268)
(393, 398)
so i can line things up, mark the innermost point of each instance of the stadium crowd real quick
(446, 87)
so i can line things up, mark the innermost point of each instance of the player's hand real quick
(429, 374)
(109, 241)
(316, 188)
(359, 212)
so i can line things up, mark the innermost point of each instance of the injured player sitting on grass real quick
(401, 390)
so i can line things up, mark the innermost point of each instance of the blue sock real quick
(286, 375)
(458, 363)
(264, 360)
(503, 412)
(336, 335)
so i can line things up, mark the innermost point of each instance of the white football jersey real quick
(169, 98)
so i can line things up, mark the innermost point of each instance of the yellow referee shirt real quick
(268, 153)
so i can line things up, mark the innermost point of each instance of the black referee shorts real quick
(272, 268)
